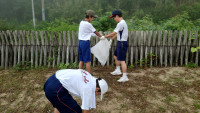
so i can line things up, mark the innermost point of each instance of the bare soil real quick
(149, 90)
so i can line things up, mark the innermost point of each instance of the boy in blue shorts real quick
(86, 30)
(121, 32)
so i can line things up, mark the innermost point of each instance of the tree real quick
(43, 11)
(33, 13)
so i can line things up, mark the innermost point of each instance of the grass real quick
(196, 104)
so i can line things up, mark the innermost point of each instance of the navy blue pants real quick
(60, 97)
(84, 51)
(121, 50)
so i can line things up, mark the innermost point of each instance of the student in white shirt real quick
(121, 32)
(64, 83)
(86, 30)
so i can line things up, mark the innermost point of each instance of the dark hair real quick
(97, 84)
(87, 16)
(118, 15)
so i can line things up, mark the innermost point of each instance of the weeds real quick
(191, 65)
(161, 109)
(146, 61)
(196, 104)
(23, 66)
(130, 66)
(68, 66)
(63, 66)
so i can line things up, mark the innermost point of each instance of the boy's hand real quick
(102, 38)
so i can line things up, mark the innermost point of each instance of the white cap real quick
(103, 86)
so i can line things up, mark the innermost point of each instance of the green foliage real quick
(5, 25)
(196, 104)
(146, 61)
(20, 66)
(63, 66)
(131, 66)
(74, 65)
(191, 65)
(194, 49)
(56, 25)
(68, 66)
(104, 23)
(146, 23)
(193, 11)
(179, 22)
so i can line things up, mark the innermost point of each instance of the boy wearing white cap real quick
(121, 32)
(80, 83)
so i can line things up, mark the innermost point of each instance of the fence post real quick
(165, 48)
(32, 49)
(183, 47)
(59, 49)
(137, 40)
(170, 48)
(11, 49)
(7, 49)
(23, 46)
(149, 48)
(2, 50)
(153, 49)
(178, 47)
(19, 47)
(68, 47)
(174, 46)
(64, 47)
(42, 48)
(197, 44)
(28, 46)
(160, 48)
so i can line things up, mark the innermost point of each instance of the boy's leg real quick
(117, 71)
(121, 56)
(60, 97)
(116, 61)
(81, 63)
(124, 77)
(87, 66)
(124, 67)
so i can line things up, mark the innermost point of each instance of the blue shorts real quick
(121, 50)
(84, 51)
(60, 97)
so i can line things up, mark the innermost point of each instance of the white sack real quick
(101, 51)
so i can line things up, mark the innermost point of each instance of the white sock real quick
(118, 68)
(124, 75)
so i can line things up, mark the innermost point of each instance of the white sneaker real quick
(123, 79)
(116, 72)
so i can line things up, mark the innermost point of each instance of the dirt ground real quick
(149, 90)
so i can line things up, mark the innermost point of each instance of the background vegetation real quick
(66, 14)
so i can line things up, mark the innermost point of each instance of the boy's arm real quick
(97, 34)
(111, 35)
(114, 37)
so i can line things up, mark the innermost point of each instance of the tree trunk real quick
(33, 14)
(43, 11)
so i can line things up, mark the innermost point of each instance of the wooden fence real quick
(146, 48)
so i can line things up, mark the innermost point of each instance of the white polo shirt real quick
(86, 30)
(122, 31)
(79, 83)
